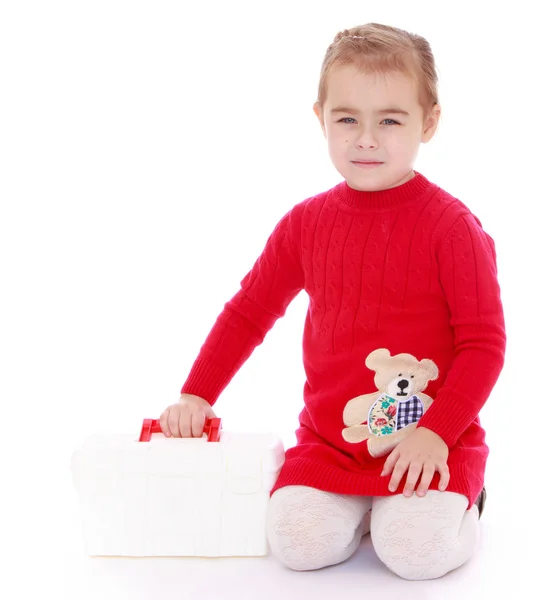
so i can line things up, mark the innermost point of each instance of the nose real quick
(366, 140)
(403, 384)
(369, 146)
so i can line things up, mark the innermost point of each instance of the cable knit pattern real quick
(409, 269)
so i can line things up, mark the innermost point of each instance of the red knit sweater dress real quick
(409, 270)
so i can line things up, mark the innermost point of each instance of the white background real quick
(147, 150)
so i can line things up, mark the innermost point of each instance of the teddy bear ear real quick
(430, 367)
(377, 358)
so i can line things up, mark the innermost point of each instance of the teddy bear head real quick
(401, 375)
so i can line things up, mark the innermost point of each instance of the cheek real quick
(338, 143)
(402, 141)
(337, 135)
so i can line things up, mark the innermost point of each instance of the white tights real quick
(417, 538)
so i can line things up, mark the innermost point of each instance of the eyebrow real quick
(383, 111)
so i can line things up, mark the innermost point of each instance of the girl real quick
(400, 275)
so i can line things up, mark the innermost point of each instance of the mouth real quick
(366, 164)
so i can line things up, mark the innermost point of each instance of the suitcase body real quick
(176, 497)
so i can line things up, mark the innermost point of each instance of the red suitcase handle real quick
(212, 427)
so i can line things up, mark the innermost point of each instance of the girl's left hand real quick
(423, 452)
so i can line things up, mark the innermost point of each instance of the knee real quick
(300, 537)
(401, 560)
(426, 538)
(310, 553)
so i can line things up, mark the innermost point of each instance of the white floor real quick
(507, 564)
(499, 568)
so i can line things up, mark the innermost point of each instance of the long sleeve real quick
(264, 295)
(468, 275)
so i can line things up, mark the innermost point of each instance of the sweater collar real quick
(383, 199)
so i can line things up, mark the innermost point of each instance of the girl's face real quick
(374, 118)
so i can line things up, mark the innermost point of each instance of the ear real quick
(319, 113)
(431, 123)
(377, 359)
(430, 368)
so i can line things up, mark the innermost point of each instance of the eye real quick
(347, 119)
(400, 374)
(412, 377)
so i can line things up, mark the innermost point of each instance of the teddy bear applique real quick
(387, 416)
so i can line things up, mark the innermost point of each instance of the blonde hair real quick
(375, 48)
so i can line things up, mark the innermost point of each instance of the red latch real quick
(212, 428)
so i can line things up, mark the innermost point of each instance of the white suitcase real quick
(158, 496)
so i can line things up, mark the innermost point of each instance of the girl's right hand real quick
(186, 418)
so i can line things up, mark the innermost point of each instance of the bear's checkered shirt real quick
(409, 412)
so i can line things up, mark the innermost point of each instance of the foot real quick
(481, 501)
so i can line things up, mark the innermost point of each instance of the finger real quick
(398, 473)
(390, 462)
(444, 478)
(173, 422)
(427, 476)
(198, 421)
(164, 424)
(185, 418)
(414, 471)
